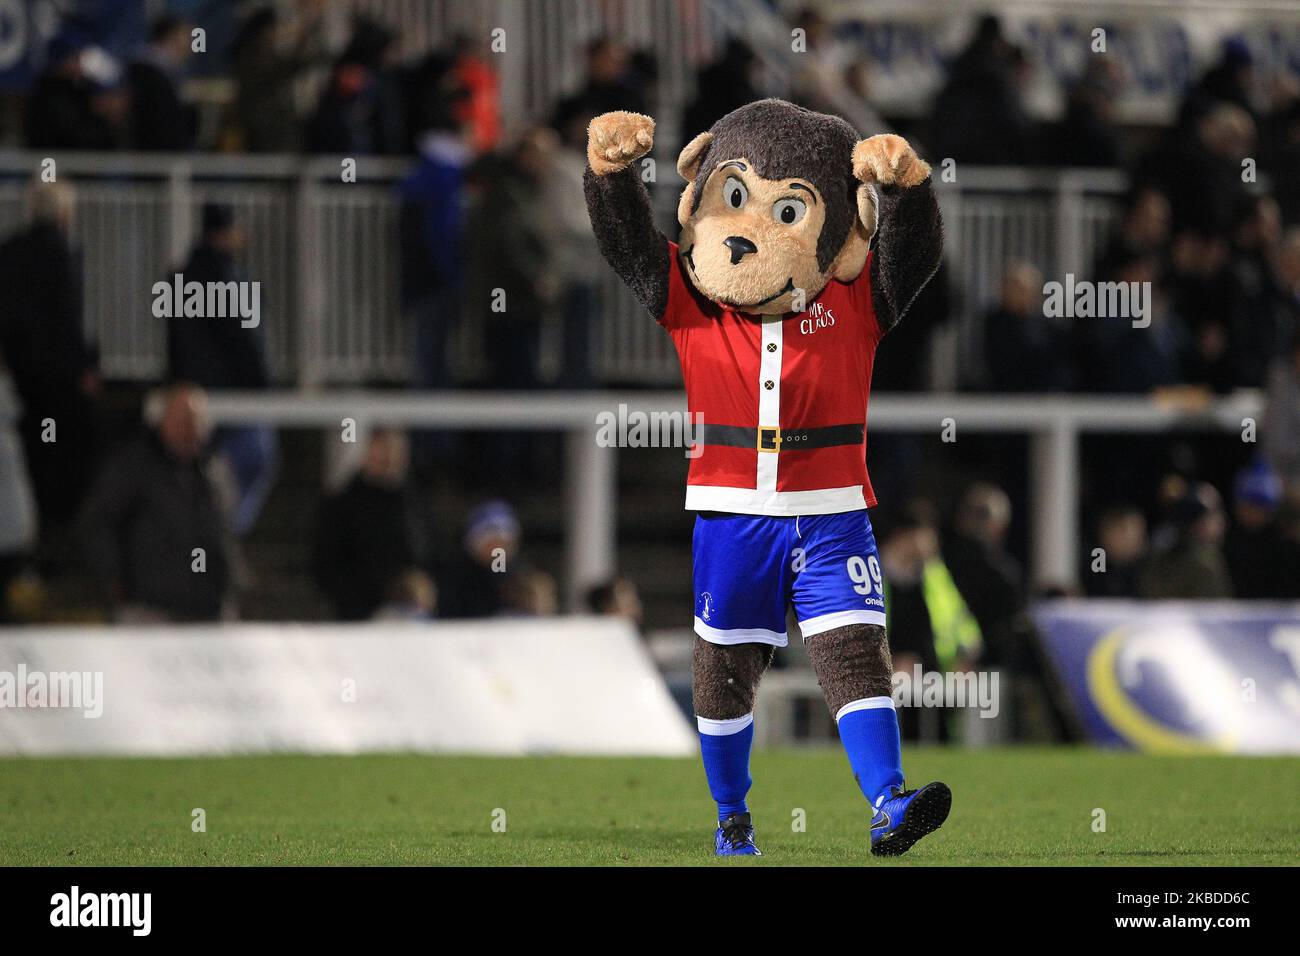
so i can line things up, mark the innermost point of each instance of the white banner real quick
(1160, 48)
(511, 686)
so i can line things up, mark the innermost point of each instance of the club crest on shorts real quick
(706, 606)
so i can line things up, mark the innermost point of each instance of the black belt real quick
(780, 439)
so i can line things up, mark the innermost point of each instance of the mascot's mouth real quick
(788, 287)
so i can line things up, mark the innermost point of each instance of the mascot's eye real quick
(788, 211)
(734, 192)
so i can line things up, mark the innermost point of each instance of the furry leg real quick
(855, 671)
(852, 663)
(725, 678)
(725, 684)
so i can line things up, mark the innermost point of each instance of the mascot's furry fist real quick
(888, 160)
(614, 140)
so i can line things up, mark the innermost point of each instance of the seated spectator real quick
(609, 86)
(1285, 156)
(1252, 547)
(480, 110)
(152, 529)
(1201, 291)
(67, 108)
(411, 596)
(1262, 312)
(1088, 135)
(160, 119)
(265, 110)
(1113, 355)
(360, 109)
(1198, 166)
(1192, 565)
(989, 578)
(1122, 537)
(1024, 350)
(979, 117)
(728, 83)
(1286, 271)
(1143, 230)
(370, 532)
(531, 593)
(476, 582)
(616, 598)
(824, 78)
(1231, 80)
(1280, 429)
(1288, 528)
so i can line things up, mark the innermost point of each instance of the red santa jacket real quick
(779, 403)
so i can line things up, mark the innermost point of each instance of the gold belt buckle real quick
(773, 435)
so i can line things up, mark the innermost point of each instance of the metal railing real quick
(1057, 219)
(325, 252)
(327, 255)
(1053, 423)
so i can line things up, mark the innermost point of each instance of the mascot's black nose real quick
(739, 246)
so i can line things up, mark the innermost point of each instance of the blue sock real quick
(724, 745)
(869, 732)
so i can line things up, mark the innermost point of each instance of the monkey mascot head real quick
(773, 209)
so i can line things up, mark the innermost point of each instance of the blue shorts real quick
(750, 568)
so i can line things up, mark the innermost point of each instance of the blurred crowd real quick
(1211, 222)
(146, 522)
(485, 215)
(150, 535)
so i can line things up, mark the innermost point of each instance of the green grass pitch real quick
(1011, 807)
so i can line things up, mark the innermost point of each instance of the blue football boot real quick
(905, 816)
(735, 837)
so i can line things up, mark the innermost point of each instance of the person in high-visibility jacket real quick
(957, 639)
(928, 620)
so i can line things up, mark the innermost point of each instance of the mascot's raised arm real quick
(801, 245)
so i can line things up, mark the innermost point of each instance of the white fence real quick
(327, 255)
(1059, 220)
(1054, 424)
(564, 685)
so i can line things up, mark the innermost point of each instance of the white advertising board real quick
(510, 686)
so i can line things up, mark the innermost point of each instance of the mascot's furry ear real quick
(868, 211)
(688, 166)
(853, 256)
(688, 163)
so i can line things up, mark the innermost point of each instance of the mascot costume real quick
(801, 246)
